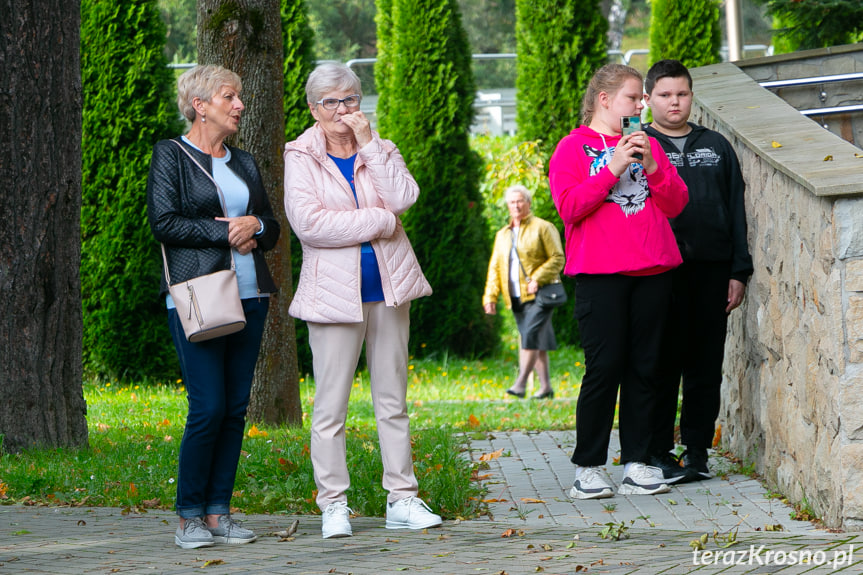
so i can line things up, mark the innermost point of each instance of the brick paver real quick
(554, 535)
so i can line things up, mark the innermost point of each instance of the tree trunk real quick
(41, 396)
(246, 36)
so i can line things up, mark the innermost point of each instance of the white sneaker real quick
(641, 479)
(336, 520)
(589, 484)
(411, 513)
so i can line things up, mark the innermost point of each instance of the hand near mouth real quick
(358, 122)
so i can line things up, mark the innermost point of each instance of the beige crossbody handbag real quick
(209, 306)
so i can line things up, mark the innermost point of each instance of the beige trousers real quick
(335, 353)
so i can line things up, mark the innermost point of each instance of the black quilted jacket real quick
(182, 203)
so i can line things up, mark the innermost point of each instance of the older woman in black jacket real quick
(186, 215)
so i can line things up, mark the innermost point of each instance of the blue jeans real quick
(218, 378)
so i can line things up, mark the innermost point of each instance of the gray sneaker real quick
(230, 532)
(193, 534)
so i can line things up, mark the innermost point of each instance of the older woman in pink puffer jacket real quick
(345, 189)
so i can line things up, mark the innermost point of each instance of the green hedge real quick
(685, 30)
(560, 44)
(803, 25)
(129, 104)
(427, 84)
(299, 62)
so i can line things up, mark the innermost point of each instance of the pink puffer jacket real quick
(322, 212)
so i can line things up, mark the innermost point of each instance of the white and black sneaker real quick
(641, 479)
(672, 470)
(589, 484)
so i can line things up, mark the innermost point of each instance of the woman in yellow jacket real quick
(527, 254)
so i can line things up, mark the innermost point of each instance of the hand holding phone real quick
(628, 125)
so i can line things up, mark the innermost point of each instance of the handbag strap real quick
(221, 202)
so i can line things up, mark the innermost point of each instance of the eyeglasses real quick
(351, 101)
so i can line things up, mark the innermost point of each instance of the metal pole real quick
(734, 25)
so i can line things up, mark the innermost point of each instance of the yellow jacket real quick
(541, 254)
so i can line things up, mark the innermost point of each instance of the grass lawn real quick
(135, 433)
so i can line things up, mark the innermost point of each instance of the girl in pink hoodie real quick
(615, 194)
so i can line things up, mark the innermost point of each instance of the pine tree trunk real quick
(41, 397)
(246, 36)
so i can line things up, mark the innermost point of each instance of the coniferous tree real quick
(429, 93)
(129, 104)
(685, 30)
(815, 23)
(560, 44)
(299, 62)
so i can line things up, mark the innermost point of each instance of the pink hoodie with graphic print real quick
(614, 225)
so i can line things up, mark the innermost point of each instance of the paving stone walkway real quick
(534, 528)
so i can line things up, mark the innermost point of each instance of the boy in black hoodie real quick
(711, 235)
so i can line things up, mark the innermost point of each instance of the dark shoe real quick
(695, 460)
(546, 394)
(672, 471)
(518, 394)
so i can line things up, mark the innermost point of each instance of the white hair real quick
(331, 77)
(518, 189)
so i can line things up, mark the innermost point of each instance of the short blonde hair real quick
(331, 77)
(608, 79)
(203, 82)
(518, 189)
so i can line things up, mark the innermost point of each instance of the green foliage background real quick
(129, 104)
(561, 43)
(299, 43)
(815, 23)
(429, 89)
(686, 30)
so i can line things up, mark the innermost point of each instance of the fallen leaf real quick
(473, 421)
(828, 158)
(858, 155)
(717, 437)
(81, 522)
(289, 531)
(775, 144)
(776, 527)
(532, 500)
(492, 455)
(212, 562)
(508, 533)
(494, 500)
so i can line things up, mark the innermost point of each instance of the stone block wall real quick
(793, 373)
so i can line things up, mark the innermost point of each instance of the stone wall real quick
(793, 374)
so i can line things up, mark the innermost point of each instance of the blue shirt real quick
(370, 274)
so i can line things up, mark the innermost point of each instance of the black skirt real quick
(534, 325)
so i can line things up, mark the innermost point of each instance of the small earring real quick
(203, 118)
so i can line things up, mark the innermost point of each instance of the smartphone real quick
(628, 125)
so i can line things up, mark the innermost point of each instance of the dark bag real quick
(551, 295)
